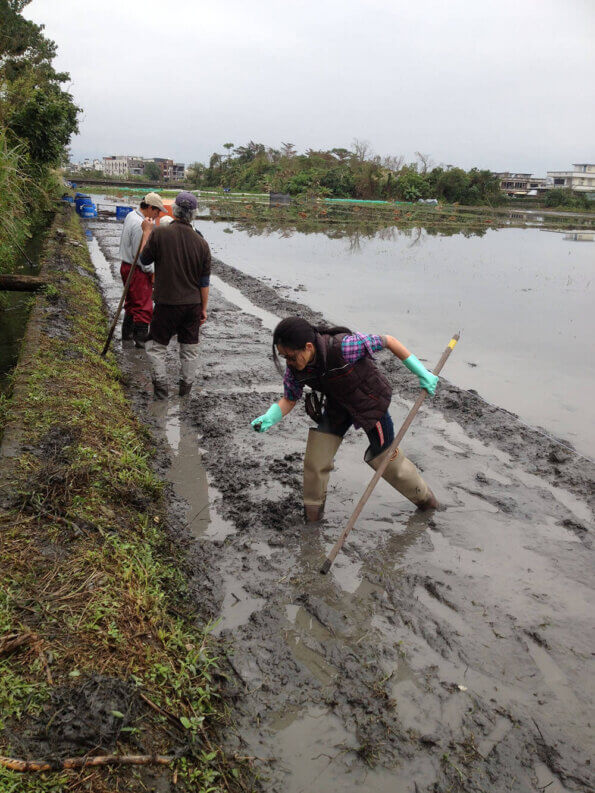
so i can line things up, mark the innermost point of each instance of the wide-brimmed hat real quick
(153, 200)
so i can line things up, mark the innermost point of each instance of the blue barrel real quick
(88, 211)
(81, 200)
(121, 212)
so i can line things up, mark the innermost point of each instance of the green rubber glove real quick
(269, 419)
(427, 380)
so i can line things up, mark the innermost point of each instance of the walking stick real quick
(121, 303)
(387, 457)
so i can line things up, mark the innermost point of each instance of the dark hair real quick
(294, 333)
(143, 205)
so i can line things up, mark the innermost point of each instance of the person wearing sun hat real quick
(181, 262)
(138, 306)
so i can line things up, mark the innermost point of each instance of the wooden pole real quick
(387, 457)
(121, 303)
(17, 764)
(21, 283)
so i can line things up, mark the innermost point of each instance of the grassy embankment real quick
(100, 647)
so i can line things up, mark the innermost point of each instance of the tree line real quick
(343, 173)
(37, 119)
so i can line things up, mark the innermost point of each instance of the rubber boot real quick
(157, 353)
(401, 474)
(188, 365)
(127, 327)
(318, 464)
(140, 333)
(160, 390)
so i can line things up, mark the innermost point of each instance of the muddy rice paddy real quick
(443, 652)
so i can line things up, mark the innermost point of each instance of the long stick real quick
(121, 303)
(16, 764)
(387, 458)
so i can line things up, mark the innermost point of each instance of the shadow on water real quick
(14, 309)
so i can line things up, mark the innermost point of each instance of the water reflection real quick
(14, 309)
(580, 236)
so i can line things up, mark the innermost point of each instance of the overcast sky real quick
(498, 84)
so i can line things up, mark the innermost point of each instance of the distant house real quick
(178, 172)
(121, 165)
(521, 184)
(165, 165)
(581, 178)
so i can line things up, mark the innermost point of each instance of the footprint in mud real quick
(552, 675)
(440, 608)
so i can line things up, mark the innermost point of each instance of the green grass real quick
(87, 569)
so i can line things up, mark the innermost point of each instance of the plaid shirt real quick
(352, 348)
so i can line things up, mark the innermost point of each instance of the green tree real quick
(37, 119)
(562, 197)
(411, 185)
(33, 107)
(196, 174)
(152, 171)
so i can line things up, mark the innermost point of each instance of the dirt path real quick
(441, 653)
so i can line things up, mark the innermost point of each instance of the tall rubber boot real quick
(401, 474)
(156, 353)
(188, 365)
(127, 327)
(140, 333)
(318, 464)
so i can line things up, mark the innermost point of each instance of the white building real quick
(581, 178)
(522, 184)
(122, 165)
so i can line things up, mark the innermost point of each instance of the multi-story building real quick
(136, 166)
(523, 183)
(118, 165)
(165, 166)
(581, 178)
(122, 166)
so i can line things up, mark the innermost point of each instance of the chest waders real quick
(401, 474)
(318, 464)
(363, 395)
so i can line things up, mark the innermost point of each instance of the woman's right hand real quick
(269, 419)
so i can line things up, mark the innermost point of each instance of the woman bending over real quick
(339, 365)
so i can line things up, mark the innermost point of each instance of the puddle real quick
(269, 320)
(237, 606)
(307, 749)
(318, 755)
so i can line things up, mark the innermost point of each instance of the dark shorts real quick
(380, 436)
(168, 321)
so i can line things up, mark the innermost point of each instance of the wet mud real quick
(443, 652)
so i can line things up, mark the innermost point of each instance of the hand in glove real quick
(427, 380)
(269, 419)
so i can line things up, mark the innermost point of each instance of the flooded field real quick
(521, 297)
(443, 652)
